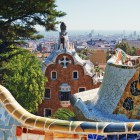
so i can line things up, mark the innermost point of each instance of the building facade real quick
(95, 59)
(67, 74)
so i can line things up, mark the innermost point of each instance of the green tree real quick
(84, 54)
(63, 114)
(18, 20)
(134, 51)
(96, 69)
(126, 48)
(22, 75)
(108, 54)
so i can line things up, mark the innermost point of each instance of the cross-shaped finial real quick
(64, 61)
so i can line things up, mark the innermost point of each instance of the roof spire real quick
(63, 26)
(63, 36)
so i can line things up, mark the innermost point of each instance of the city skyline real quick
(100, 14)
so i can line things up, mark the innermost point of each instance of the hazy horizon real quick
(96, 32)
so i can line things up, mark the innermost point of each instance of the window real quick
(64, 96)
(53, 75)
(75, 75)
(47, 94)
(82, 89)
(47, 112)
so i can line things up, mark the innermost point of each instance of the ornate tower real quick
(63, 37)
(67, 74)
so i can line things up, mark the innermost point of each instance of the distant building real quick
(67, 74)
(42, 56)
(98, 57)
(135, 43)
(79, 48)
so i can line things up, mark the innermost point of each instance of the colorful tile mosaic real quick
(118, 94)
(7, 125)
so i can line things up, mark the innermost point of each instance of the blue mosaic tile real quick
(8, 133)
(11, 121)
(14, 138)
(112, 137)
(1, 134)
(136, 127)
(92, 137)
(17, 123)
(100, 137)
(123, 137)
(1, 123)
(96, 137)
(8, 127)
(2, 126)
(6, 113)
(2, 111)
(5, 135)
(8, 124)
(13, 129)
(87, 125)
(7, 119)
(131, 136)
(114, 128)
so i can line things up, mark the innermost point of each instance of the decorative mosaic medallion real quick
(128, 103)
(135, 91)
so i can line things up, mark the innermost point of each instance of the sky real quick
(100, 14)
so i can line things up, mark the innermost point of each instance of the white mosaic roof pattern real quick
(88, 68)
(68, 49)
(99, 104)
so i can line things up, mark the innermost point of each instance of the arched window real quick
(53, 75)
(47, 112)
(75, 75)
(47, 94)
